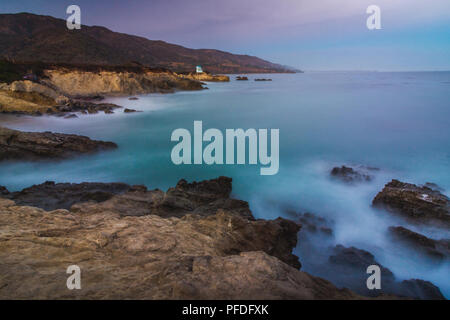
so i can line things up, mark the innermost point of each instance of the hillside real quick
(28, 37)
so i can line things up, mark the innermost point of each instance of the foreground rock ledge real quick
(218, 254)
(18, 145)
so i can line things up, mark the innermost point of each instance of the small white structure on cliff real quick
(199, 69)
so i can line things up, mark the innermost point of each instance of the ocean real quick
(398, 122)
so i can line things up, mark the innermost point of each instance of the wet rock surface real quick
(435, 249)
(350, 266)
(218, 255)
(3, 191)
(417, 204)
(18, 145)
(84, 106)
(351, 175)
(51, 196)
(312, 223)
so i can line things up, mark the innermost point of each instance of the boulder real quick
(417, 204)
(18, 145)
(435, 249)
(420, 289)
(350, 266)
(350, 175)
(3, 191)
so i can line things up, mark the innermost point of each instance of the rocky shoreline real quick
(57, 90)
(26, 146)
(191, 242)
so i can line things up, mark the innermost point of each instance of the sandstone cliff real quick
(206, 77)
(58, 86)
(75, 83)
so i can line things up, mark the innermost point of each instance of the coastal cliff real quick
(56, 89)
(206, 77)
(81, 83)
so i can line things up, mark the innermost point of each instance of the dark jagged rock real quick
(84, 106)
(357, 259)
(241, 78)
(433, 186)
(201, 198)
(3, 191)
(420, 289)
(17, 145)
(313, 223)
(51, 196)
(129, 110)
(350, 265)
(71, 116)
(263, 79)
(350, 175)
(436, 249)
(418, 204)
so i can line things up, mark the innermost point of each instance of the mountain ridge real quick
(27, 37)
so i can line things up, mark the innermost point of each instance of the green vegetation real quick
(9, 72)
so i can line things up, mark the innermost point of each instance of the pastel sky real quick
(307, 34)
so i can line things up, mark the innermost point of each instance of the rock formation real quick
(350, 175)
(17, 145)
(212, 253)
(350, 265)
(417, 204)
(67, 89)
(51, 196)
(204, 76)
(435, 249)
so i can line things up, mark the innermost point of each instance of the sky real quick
(305, 34)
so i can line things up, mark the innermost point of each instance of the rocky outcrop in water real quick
(17, 145)
(215, 255)
(351, 175)
(241, 78)
(350, 265)
(416, 203)
(435, 249)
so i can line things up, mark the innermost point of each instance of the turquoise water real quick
(398, 122)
